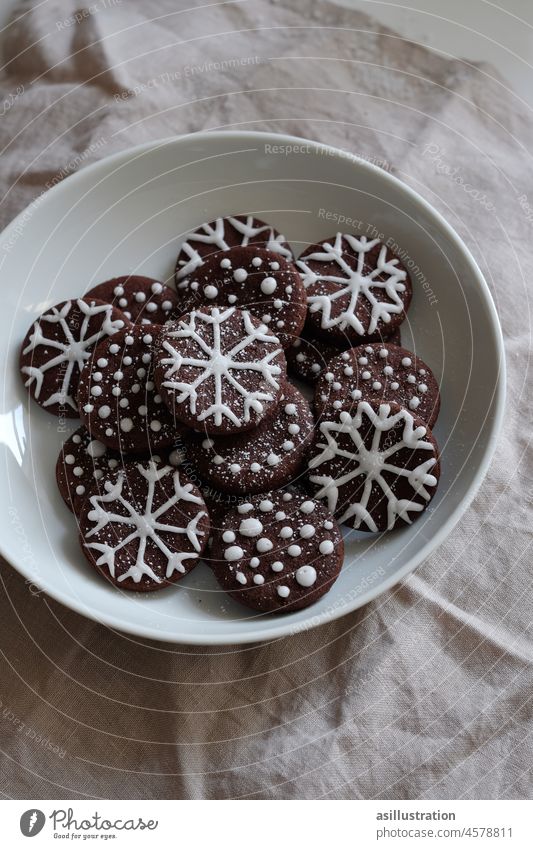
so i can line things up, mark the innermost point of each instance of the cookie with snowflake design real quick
(277, 553)
(380, 372)
(268, 457)
(118, 400)
(82, 462)
(254, 279)
(57, 346)
(307, 356)
(146, 528)
(223, 234)
(219, 370)
(142, 299)
(357, 289)
(376, 469)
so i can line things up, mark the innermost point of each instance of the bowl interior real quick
(129, 213)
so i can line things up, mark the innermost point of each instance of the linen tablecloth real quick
(425, 693)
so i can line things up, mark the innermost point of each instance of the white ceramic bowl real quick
(128, 213)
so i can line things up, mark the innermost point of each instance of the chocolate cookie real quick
(58, 345)
(219, 370)
(380, 372)
(226, 233)
(142, 299)
(307, 356)
(146, 528)
(377, 469)
(277, 553)
(356, 288)
(266, 458)
(82, 462)
(253, 279)
(118, 400)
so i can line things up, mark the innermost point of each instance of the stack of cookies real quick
(194, 442)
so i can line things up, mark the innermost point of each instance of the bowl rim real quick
(281, 626)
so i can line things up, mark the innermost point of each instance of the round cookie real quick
(146, 528)
(254, 279)
(266, 458)
(82, 462)
(377, 469)
(357, 289)
(277, 553)
(223, 234)
(118, 400)
(57, 346)
(380, 372)
(307, 356)
(142, 299)
(219, 370)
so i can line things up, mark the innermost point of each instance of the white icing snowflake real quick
(371, 462)
(74, 352)
(354, 283)
(213, 362)
(145, 527)
(208, 234)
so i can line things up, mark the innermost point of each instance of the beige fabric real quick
(425, 693)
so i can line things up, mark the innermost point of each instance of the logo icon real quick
(32, 822)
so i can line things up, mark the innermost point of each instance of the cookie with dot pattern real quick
(143, 300)
(118, 399)
(279, 553)
(307, 356)
(81, 463)
(254, 279)
(380, 372)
